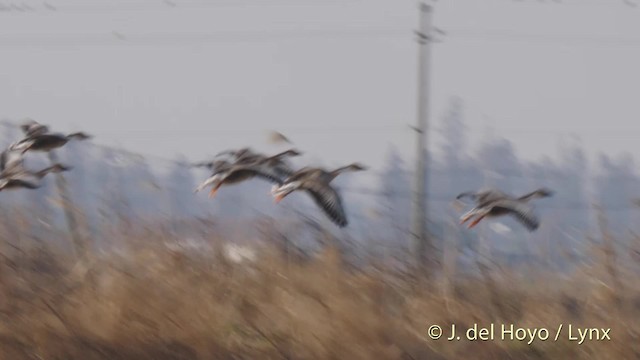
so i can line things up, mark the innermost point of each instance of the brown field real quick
(157, 302)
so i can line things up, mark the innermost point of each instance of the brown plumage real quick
(493, 203)
(317, 183)
(48, 141)
(247, 166)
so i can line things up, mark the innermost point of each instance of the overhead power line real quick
(178, 39)
(612, 40)
(117, 38)
(106, 7)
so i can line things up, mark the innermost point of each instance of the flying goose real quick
(493, 203)
(317, 183)
(272, 168)
(47, 141)
(19, 177)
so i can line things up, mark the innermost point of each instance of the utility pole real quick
(421, 242)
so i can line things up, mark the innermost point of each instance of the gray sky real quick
(337, 77)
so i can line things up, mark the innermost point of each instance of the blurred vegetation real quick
(158, 296)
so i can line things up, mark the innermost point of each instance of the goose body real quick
(248, 165)
(494, 203)
(317, 183)
(48, 141)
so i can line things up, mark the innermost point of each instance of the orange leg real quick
(213, 191)
(476, 221)
(466, 218)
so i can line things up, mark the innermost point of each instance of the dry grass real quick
(155, 302)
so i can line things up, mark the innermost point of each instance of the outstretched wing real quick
(22, 182)
(329, 201)
(215, 166)
(33, 128)
(273, 174)
(10, 159)
(484, 197)
(522, 212)
(240, 173)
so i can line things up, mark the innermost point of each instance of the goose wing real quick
(18, 175)
(329, 201)
(33, 129)
(10, 159)
(214, 166)
(244, 172)
(484, 197)
(520, 211)
(273, 174)
(24, 182)
(280, 168)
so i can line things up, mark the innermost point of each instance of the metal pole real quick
(421, 242)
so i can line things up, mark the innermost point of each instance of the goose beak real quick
(213, 192)
(278, 198)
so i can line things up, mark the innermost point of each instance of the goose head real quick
(357, 167)
(544, 192)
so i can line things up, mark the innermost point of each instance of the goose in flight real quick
(247, 166)
(317, 183)
(47, 141)
(18, 177)
(493, 203)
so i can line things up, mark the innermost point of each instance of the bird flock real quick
(245, 164)
(37, 138)
(236, 166)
